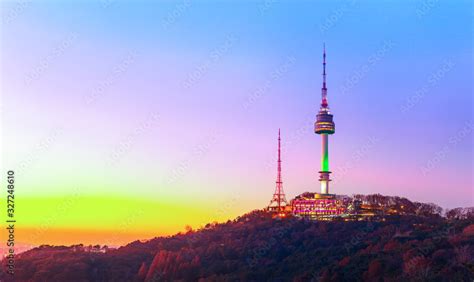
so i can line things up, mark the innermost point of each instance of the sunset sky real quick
(126, 120)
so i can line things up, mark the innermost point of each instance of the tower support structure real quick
(278, 201)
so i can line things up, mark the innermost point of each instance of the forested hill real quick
(256, 247)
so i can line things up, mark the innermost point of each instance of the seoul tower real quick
(324, 126)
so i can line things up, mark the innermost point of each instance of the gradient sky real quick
(144, 117)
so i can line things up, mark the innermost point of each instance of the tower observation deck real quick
(324, 126)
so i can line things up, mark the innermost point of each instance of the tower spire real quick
(324, 65)
(324, 101)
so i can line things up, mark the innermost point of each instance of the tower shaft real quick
(325, 152)
(324, 173)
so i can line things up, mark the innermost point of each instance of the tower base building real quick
(320, 206)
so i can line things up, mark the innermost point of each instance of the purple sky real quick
(183, 101)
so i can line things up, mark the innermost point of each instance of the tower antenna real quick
(278, 201)
(324, 90)
(324, 65)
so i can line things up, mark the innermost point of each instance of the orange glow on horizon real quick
(74, 236)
